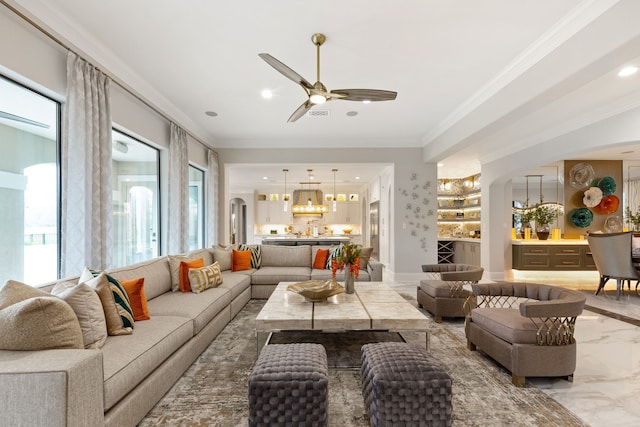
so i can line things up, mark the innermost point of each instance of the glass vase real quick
(349, 280)
(543, 231)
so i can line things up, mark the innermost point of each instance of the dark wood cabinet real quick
(554, 257)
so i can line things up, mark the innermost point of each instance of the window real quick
(29, 141)
(135, 200)
(196, 208)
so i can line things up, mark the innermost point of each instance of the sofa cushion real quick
(365, 256)
(86, 304)
(506, 323)
(174, 268)
(320, 259)
(129, 359)
(275, 275)
(201, 279)
(236, 283)
(240, 260)
(206, 254)
(34, 320)
(223, 257)
(201, 308)
(100, 284)
(286, 256)
(137, 297)
(185, 266)
(156, 273)
(436, 288)
(256, 254)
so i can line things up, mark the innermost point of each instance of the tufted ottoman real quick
(403, 384)
(289, 386)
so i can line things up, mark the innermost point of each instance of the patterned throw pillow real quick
(101, 285)
(122, 300)
(205, 277)
(334, 252)
(256, 254)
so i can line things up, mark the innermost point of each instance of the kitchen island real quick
(303, 240)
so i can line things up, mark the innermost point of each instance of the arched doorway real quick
(238, 221)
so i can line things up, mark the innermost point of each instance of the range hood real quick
(308, 203)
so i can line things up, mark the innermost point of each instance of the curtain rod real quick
(113, 78)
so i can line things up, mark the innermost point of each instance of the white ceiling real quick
(475, 79)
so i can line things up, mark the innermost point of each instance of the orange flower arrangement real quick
(349, 256)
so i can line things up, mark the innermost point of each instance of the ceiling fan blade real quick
(286, 71)
(364, 94)
(5, 115)
(302, 109)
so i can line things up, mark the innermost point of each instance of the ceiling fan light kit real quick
(318, 93)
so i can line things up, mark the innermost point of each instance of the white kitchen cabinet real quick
(268, 212)
(346, 213)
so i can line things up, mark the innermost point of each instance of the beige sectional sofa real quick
(119, 383)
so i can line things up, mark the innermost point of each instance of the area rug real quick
(213, 391)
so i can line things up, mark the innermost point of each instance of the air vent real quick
(318, 113)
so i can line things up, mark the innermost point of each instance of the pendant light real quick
(335, 199)
(285, 205)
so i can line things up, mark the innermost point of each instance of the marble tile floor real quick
(606, 386)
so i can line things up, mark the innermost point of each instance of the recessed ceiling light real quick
(440, 164)
(352, 113)
(265, 178)
(267, 94)
(366, 101)
(211, 113)
(357, 177)
(628, 71)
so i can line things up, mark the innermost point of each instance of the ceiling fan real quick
(317, 93)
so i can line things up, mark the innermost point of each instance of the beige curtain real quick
(213, 198)
(86, 169)
(178, 203)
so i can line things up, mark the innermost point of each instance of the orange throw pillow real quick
(137, 298)
(185, 285)
(241, 260)
(321, 259)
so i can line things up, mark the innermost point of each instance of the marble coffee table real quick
(373, 307)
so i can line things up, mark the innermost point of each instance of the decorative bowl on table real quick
(316, 290)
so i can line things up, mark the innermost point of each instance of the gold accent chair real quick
(442, 293)
(612, 256)
(526, 327)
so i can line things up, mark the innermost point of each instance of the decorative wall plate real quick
(613, 224)
(581, 175)
(581, 217)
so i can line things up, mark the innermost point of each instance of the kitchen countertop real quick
(550, 242)
(460, 239)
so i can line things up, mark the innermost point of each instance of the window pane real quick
(135, 200)
(28, 185)
(196, 208)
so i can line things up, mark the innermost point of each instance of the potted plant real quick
(544, 214)
(633, 219)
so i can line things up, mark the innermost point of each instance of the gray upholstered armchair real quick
(526, 327)
(443, 293)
